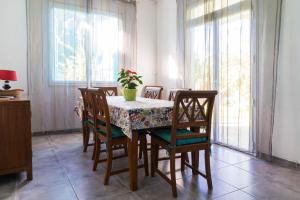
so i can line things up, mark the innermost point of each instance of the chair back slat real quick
(101, 113)
(152, 92)
(87, 103)
(173, 92)
(193, 110)
(109, 91)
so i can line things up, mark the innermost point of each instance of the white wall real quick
(287, 118)
(166, 44)
(146, 40)
(13, 40)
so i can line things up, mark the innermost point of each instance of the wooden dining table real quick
(134, 116)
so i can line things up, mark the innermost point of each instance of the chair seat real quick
(165, 134)
(115, 131)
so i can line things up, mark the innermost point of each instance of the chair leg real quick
(86, 138)
(154, 158)
(140, 151)
(145, 154)
(125, 149)
(183, 159)
(173, 173)
(97, 148)
(94, 152)
(195, 161)
(187, 158)
(83, 136)
(207, 168)
(109, 163)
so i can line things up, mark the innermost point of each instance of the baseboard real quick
(278, 161)
(40, 133)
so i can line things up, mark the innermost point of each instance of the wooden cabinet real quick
(15, 137)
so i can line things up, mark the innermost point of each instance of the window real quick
(219, 53)
(86, 46)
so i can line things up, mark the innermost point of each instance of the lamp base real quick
(6, 85)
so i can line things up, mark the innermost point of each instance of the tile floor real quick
(62, 171)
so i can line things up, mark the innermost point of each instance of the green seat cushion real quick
(165, 134)
(116, 132)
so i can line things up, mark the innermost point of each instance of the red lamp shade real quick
(8, 75)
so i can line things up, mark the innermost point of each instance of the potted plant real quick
(129, 81)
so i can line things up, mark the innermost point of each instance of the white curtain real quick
(268, 22)
(232, 46)
(217, 55)
(71, 44)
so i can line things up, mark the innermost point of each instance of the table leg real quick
(132, 158)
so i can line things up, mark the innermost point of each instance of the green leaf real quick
(132, 85)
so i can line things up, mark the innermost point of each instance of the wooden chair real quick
(112, 91)
(173, 92)
(87, 118)
(190, 132)
(87, 115)
(110, 135)
(172, 96)
(152, 92)
(109, 91)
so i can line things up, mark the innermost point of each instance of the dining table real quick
(133, 117)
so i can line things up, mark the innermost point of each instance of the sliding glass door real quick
(218, 52)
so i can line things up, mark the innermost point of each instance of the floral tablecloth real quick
(137, 115)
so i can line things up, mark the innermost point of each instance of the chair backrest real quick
(173, 92)
(193, 109)
(101, 114)
(152, 92)
(87, 103)
(109, 91)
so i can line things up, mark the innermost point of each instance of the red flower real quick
(132, 72)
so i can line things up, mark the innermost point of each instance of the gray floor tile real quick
(55, 191)
(237, 177)
(164, 191)
(62, 171)
(240, 195)
(198, 186)
(290, 178)
(271, 190)
(228, 155)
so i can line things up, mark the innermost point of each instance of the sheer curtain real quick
(218, 56)
(232, 46)
(268, 22)
(71, 44)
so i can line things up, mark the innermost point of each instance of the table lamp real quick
(7, 75)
